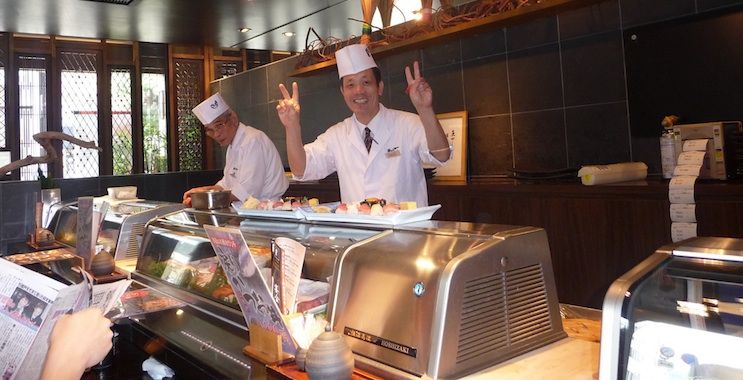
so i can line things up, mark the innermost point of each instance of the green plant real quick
(44, 181)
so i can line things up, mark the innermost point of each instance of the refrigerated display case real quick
(677, 315)
(426, 299)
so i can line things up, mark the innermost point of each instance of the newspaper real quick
(30, 304)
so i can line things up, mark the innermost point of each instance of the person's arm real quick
(421, 95)
(288, 110)
(78, 341)
(187, 194)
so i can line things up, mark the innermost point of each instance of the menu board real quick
(251, 290)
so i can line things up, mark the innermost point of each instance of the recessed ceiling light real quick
(289, 34)
(244, 30)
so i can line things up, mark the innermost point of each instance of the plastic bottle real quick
(668, 152)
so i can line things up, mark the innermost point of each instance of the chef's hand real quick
(288, 108)
(78, 341)
(421, 94)
(187, 194)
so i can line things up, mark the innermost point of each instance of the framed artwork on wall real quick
(455, 128)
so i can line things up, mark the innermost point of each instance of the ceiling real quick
(212, 22)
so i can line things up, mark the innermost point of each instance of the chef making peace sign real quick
(377, 152)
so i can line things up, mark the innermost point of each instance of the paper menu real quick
(250, 288)
(288, 258)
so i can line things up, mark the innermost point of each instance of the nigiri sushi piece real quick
(353, 209)
(341, 209)
(376, 210)
(391, 208)
(364, 209)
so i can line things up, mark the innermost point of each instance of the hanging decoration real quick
(385, 11)
(367, 7)
(448, 15)
(426, 11)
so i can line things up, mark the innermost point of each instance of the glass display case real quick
(677, 315)
(121, 229)
(177, 257)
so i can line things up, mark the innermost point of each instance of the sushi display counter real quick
(448, 298)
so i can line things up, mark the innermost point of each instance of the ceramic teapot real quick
(329, 357)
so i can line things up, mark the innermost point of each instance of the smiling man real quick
(252, 165)
(377, 152)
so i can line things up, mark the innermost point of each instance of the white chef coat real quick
(391, 170)
(253, 166)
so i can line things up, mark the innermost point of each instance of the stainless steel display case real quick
(444, 299)
(678, 314)
(121, 230)
(427, 299)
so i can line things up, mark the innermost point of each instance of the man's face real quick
(223, 128)
(361, 93)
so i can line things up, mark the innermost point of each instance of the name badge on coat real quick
(233, 172)
(393, 152)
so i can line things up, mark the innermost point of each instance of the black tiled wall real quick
(546, 94)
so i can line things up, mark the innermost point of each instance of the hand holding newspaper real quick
(30, 304)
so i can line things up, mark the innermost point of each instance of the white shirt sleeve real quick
(320, 160)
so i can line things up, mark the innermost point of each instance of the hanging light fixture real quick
(368, 7)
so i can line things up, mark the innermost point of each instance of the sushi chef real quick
(377, 151)
(252, 166)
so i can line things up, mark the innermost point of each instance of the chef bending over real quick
(252, 166)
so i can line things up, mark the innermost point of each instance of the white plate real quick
(401, 217)
(278, 214)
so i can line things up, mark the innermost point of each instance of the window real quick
(79, 100)
(122, 147)
(154, 123)
(32, 109)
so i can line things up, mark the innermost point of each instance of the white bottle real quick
(668, 153)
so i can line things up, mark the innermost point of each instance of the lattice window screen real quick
(189, 93)
(154, 123)
(32, 110)
(223, 69)
(121, 121)
(79, 112)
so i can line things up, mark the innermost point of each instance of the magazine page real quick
(250, 288)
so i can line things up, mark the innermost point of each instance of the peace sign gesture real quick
(421, 94)
(288, 108)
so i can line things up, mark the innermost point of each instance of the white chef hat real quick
(353, 59)
(210, 109)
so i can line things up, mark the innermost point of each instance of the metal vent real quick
(483, 324)
(119, 2)
(501, 310)
(137, 232)
(528, 311)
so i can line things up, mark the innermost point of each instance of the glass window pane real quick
(154, 123)
(79, 112)
(121, 121)
(32, 111)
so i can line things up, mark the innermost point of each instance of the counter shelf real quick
(200, 344)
